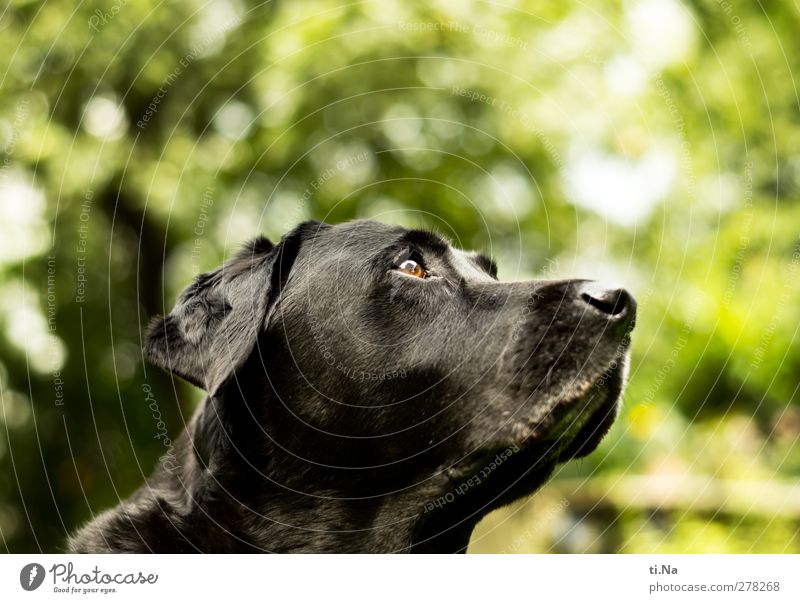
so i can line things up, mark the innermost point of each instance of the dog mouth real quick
(592, 415)
(573, 427)
(520, 460)
(576, 424)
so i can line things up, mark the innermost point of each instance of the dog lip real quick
(601, 416)
(555, 441)
(575, 424)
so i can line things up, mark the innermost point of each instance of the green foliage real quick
(649, 142)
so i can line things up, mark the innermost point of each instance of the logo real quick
(31, 576)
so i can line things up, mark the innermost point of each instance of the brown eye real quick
(412, 268)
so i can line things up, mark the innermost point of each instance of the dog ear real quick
(215, 324)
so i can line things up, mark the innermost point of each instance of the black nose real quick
(615, 302)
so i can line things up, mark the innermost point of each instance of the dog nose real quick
(613, 301)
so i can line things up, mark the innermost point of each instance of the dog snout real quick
(614, 302)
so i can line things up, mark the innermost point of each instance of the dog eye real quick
(412, 268)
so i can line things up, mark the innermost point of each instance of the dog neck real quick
(266, 498)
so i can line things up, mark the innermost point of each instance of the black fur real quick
(354, 408)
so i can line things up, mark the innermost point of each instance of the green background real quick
(650, 142)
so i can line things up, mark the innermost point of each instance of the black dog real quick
(371, 389)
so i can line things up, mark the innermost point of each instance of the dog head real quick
(370, 348)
